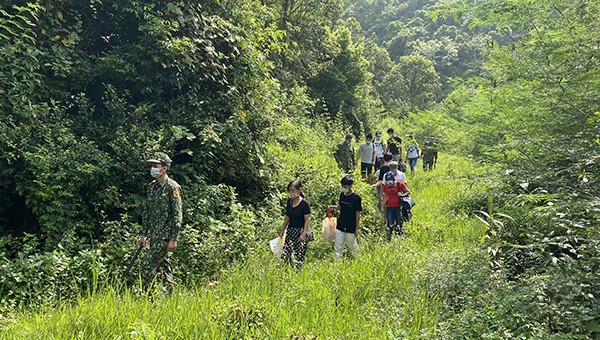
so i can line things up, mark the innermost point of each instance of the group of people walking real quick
(381, 162)
(296, 222)
(372, 151)
(395, 201)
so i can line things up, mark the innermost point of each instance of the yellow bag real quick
(328, 231)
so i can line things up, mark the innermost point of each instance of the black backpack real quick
(401, 166)
(406, 203)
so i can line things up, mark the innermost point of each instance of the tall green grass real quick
(384, 292)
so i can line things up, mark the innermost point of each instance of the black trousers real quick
(406, 211)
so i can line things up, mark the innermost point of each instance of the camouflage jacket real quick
(345, 155)
(163, 213)
(429, 148)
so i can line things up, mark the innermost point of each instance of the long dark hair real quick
(296, 185)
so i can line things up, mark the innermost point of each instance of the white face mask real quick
(369, 142)
(345, 190)
(155, 172)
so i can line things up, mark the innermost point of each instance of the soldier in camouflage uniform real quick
(430, 154)
(344, 155)
(161, 224)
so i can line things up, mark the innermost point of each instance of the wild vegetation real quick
(248, 95)
(390, 290)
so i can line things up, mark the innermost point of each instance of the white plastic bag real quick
(328, 231)
(276, 245)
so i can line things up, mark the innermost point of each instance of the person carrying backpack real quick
(380, 149)
(394, 146)
(412, 154)
(385, 168)
(392, 193)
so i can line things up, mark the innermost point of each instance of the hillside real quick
(401, 289)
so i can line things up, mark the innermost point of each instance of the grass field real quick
(385, 292)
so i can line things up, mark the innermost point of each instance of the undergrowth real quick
(395, 290)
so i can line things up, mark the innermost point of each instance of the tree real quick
(94, 87)
(340, 79)
(411, 84)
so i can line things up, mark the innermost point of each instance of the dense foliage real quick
(248, 95)
(91, 89)
(410, 27)
(537, 116)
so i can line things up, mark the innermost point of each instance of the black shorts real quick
(366, 168)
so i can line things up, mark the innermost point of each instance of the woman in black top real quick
(297, 222)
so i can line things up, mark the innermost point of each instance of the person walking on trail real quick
(385, 168)
(399, 176)
(366, 153)
(392, 193)
(430, 154)
(380, 149)
(394, 146)
(412, 153)
(344, 154)
(350, 206)
(297, 223)
(161, 223)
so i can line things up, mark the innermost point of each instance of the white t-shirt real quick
(366, 153)
(412, 150)
(378, 144)
(400, 176)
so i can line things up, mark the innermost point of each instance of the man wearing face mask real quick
(380, 149)
(350, 206)
(161, 223)
(367, 157)
(344, 154)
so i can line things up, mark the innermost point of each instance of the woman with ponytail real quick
(297, 223)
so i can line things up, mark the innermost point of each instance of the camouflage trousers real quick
(429, 161)
(156, 267)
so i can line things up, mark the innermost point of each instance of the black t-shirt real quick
(393, 145)
(349, 206)
(382, 171)
(296, 214)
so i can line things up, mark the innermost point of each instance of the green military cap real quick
(161, 157)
